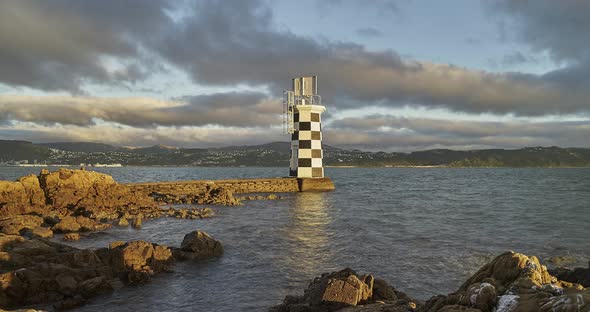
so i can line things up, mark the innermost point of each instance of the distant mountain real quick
(156, 149)
(23, 150)
(278, 154)
(281, 147)
(83, 147)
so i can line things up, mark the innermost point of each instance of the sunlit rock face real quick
(513, 282)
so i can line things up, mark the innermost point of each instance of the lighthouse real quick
(302, 107)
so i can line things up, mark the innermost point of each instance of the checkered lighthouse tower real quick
(303, 110)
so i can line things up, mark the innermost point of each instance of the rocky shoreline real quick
(512, 282)
(38, 272)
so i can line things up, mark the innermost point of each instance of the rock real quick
(42, 232)
(207, 213)
(21, 197)
(201, 245)
(7, 242)
(137, 261)
(512, 282)
(123, 222)
(71, 237)
(14, 225)
(338, 290)
(51, 220)
(561, 260)
(137, 221)
(66, 225)
(383, 291)
(95, 193)
(578, 275)
(219, 195)
(272, 197)
(482, 296)
(94, 286)
(66, 284)
(509, 269)
(44, 272)
(86, 224)
(116, 244)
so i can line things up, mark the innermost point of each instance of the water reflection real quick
(308, 236)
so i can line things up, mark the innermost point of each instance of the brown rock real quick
(21, 197)
(15, 224)
(340, 289)
(42, 232)
(137, 261)
(578, 275)
(71, 237)
(137, 221)
(511, 268)
(218, 195)
(201, 244)
(86, 224)
(123, 222)
(98, 194)
(66, 225)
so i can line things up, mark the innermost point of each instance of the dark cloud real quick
(60, 45)
(64, 44)
(517, 58)
(369, 32)
(381, 6)
(390, 132)
(561, 28)
(232, 43)
(225, 109)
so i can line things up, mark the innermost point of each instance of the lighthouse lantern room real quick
(302, 117)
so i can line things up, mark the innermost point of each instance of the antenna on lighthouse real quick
(288, 111)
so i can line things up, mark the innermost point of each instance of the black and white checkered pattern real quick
(306, 142)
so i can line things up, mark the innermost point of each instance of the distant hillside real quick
(23, 150)
(156, 149)
(277, 154)
(83, 147)
(281, 147)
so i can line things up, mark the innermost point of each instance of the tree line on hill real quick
(278, 153)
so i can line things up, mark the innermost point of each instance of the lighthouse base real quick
(315, 184)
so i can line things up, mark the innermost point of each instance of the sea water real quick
(424, 230)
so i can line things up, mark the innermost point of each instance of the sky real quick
(394, 75)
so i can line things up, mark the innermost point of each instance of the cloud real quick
(131, 136)
(558, 27)
(517, 58)
(60, 45)
(381, 6)
(406, 134)
(369, 32)
(64, 44)
(246, 109)
(236, 43)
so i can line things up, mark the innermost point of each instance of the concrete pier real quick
(263, 185)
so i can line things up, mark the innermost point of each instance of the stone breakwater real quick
(512, 282)
(181, 189)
